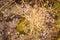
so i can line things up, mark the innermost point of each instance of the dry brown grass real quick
(38, 14)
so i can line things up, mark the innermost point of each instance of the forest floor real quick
(24, 21)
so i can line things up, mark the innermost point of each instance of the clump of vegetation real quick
(39, 17)
(23, 26)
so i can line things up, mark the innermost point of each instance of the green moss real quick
(20, 27)
(23, 24)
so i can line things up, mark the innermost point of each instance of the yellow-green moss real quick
(20, 25)
(23, 26)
